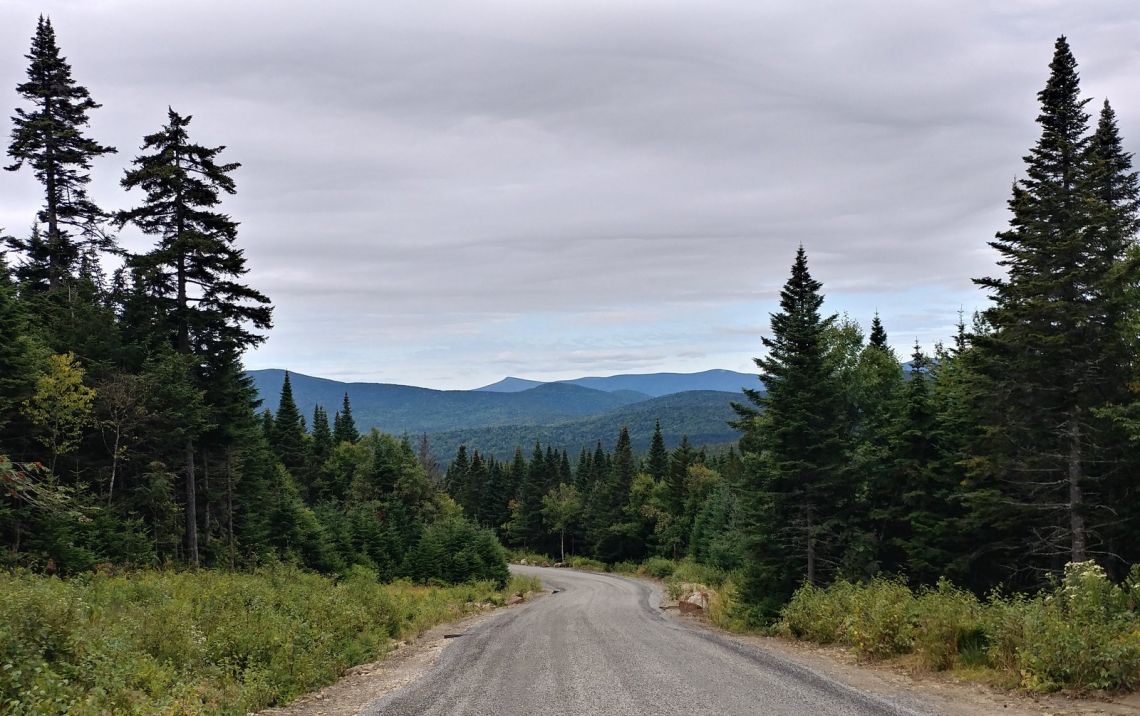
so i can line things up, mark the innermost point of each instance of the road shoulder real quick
(406, 663)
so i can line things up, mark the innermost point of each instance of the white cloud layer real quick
(442, 193)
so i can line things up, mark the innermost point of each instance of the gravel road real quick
(601, 645)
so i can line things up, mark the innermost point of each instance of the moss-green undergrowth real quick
(159, 642)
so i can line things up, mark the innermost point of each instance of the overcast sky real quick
(446, 193)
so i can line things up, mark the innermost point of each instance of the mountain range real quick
(652, 384)
(497, 417)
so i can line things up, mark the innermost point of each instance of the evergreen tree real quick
(531, 491)
(15, 359)
(49, 138)
(322, 436)
(878, 337)
(192, 274)
(582, 470)
(658, 463)
(1056, 349)
(288, 432)
(344, 426)
(796, 485)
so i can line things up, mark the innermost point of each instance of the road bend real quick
(601, 645)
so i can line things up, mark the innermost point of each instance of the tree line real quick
(994, 460)
(129, 431)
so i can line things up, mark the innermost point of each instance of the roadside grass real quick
(1080, 636)
(165, 642)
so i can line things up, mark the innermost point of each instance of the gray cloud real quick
(442, 192)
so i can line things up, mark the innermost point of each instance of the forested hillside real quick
(404, 408)
(701, 415)
(652, 384)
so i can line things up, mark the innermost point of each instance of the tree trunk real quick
(206, 497)
(191, 507)
(810, 546)
(1076, 518)
(563, 546)
(230, 507)
(114, 465)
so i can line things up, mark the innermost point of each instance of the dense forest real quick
(129, 432)
(994, 460)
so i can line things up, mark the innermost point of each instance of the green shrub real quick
(880, 624)
(1083, 636)
(623, 568)
(818, 615)
(658, 567)
(689, 571)
(586, 563)
(949, 628)
(203, 642)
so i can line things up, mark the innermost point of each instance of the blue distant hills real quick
(565, 413)
(652, 384)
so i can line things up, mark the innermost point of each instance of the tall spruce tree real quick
(344, 426)
(878, 337)
(288, 438)
(1054, 353)
(49, 138)
(192, 276)
(657, 463)
(795, 486)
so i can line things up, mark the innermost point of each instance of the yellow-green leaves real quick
(61, 406)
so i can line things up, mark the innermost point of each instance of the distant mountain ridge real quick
(652, 384)
(702, 415)
(516, 411)
(399, 408)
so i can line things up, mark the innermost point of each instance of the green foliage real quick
(204, 643)
(49, 138)
(1081, 635)
(61, 406)
(455, 551)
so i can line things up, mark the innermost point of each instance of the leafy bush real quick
(586, 563)
(1082, 635)
(817, 614)
(623, 568)
(202, 643)
(948, 624)
(1085, 635)
(658, 567)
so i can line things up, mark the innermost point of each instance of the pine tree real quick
(796, 484)
(344, 426)
(192, 275)
(878, 337)
(322, 436)
(15, 361)
(49, 138)
(288, 433)
(533, 487)
(193, 270)
(658, 463)
(1056, 348)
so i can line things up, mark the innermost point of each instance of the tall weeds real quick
(204, 642)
